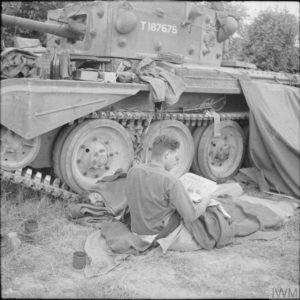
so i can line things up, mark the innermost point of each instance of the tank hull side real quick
(31, 107)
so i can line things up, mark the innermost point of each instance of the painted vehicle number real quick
(158, 27)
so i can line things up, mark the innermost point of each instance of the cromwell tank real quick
(113, 76)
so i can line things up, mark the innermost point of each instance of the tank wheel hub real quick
(11, 144)
(219, 152)
(93, 156)
(16, 152)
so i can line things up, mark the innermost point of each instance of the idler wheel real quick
(17, 152)
(92, 150)
(220, 157)
(179, 131)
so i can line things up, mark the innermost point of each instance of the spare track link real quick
(38, 182)
(56, 188)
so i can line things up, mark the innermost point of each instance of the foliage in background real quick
(32, 10)
(268, 42)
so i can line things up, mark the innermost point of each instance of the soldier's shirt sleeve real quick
(180, 200)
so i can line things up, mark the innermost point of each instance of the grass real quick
(44, 269)
(51, 255)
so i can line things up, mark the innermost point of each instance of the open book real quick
(198, 187)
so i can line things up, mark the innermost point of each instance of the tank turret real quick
(187, 32)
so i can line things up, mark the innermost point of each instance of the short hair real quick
(163, 143)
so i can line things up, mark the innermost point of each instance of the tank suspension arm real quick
(62, 30)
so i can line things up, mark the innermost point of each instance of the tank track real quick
(193, 119)
(38, 182)
(58, 189)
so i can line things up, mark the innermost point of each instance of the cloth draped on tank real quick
(274, 144)
(164, 85)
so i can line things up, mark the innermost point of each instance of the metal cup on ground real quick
(31, 225)
(31, 230)
(79, 259)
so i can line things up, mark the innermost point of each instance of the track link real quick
(36, 181)
(193, 119)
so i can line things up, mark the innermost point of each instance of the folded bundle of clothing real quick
(113, 204)
(88, 214)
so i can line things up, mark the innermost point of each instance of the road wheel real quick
(16, 152)
(220, 157)
(92, 150)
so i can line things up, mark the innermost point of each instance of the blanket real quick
(164, 86)
(251, 214)
(251, 219)
(120, 239)
(211, 229)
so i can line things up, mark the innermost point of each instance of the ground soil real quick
(251, 269)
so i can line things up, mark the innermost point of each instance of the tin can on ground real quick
(79, 259)
(31, 225)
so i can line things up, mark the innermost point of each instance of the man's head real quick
(165, 150)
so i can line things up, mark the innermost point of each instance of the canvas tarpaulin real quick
(274, 141)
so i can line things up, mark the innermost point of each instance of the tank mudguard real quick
(31, 107)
